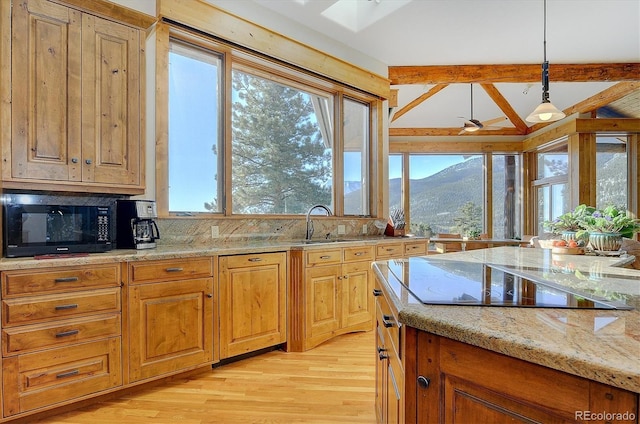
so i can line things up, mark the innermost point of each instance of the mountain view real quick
(441, 201)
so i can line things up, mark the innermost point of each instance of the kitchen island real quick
(538, 362)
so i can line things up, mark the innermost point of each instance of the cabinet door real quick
(110, 102)
(323, 301)
(252, 302)
(170, 327)
(357, 301)
(46, 92)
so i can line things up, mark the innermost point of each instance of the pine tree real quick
(279, 160)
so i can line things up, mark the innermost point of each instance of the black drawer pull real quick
(67, 333)
(359, 254)
(65, 307)
(68, 374)
(66, 279)
(377, 292)
(386, 322)
(255, 259)
(176, 269)
(325, 257)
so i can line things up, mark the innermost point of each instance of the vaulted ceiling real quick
(433, 50)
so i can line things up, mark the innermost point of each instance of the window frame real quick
(234, 57)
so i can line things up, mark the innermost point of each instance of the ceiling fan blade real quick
(494, 121)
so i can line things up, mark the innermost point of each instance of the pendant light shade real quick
(546, 111)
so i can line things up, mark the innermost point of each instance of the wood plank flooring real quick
(333, 383)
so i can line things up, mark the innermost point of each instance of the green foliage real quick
(469, 220)
(280, 163)
(569, 221)
(611, 219)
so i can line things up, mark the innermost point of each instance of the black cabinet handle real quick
(66, 279)
(424, 382)
(65, 307)
(383, 356)
(67, 374)
(67, 333)
(177, 269)
(255, 259)
(386, 322)
(377, 292)
(325, 257)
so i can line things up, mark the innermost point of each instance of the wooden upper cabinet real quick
(76, 100)
(46, 92)
(110, 102)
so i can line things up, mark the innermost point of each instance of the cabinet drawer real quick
(362, 253)
(389, 250)
(51, 280)
(321, 257)
(29, 310)
(179, 269)
(242, 261)
(390, 323)
(415, 248)
(40, 379)
(31, 337)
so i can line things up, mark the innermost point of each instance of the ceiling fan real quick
(472, 125)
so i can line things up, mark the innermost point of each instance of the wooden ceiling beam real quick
(451, 74)
(436, 132)
(417, 101)
(504, 106)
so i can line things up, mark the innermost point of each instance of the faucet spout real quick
(310, 223)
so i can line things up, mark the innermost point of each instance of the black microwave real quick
(32, 230)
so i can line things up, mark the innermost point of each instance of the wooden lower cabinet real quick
(330, 295)
(253, 293)
(455, 382)
(389, 366)
(170, 327)
(61, 336)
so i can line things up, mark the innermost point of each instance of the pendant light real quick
(546, 111)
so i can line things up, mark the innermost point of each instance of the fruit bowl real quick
(567, 250)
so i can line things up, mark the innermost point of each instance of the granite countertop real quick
(601, 345)
(181, 251)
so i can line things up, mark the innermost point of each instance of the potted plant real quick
(607, 227)
(569, 224)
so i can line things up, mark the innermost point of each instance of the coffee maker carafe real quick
(135, 225)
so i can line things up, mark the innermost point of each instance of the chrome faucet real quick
(309, 223)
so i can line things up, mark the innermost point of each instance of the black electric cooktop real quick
(440, 282)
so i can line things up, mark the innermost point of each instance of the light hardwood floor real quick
(333, 383)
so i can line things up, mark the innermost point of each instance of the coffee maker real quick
(135, 225)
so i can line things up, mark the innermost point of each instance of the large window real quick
(194, 137)
(257, 137)
(282, 147)
(447, 193)
(506, 192)
(551, 185)
(356, 157)
(612, 175)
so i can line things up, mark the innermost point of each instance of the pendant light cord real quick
(545, 64)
